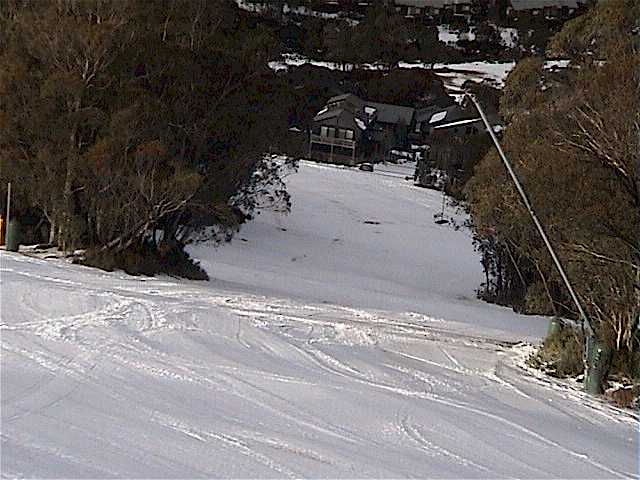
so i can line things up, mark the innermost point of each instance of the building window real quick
(324, 132)
(348, 134)
(331, 132)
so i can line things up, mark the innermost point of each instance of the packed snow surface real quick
(341, 341)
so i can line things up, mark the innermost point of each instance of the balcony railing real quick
(336, 142)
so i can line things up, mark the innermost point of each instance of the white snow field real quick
(323, 347)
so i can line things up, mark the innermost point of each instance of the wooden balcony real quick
(336, 142)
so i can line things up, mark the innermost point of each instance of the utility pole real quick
(585, 320)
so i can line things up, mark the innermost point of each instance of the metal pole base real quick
(599, 356)
(13, 236)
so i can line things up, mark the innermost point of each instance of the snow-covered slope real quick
(336, 348)
(366, 240)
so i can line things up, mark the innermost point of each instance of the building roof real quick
(431, 3)
(386, 113)
(348, 98)
(344, 96)
(342, 118)
(326, 114)
(425, 114)
(458, 123)
(438, 115)
(535, 4)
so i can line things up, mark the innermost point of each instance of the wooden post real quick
(8, 207)
(8, 200)
(331, 152)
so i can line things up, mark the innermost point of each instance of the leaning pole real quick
(595, 353)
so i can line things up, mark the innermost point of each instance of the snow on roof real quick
(325, 109)
(438, 117)
(425, 114)
(458, 123)
(360, 123)
(328, 114)
(349, 97)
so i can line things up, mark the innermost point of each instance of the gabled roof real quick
(342, 118)
(348, 99)
(386, 113)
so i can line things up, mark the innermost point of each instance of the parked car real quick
(366, 167)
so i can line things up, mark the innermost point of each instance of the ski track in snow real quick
(105, 375)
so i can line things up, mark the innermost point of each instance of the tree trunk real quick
(52, 231)
(65, 227)
(546, 289)
(67, 201)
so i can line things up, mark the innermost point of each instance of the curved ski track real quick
(271, 387)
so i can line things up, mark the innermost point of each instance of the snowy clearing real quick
(343, 340)
(454, 75)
